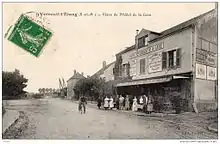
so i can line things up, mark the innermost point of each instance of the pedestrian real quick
(111, 102)
(145, 103)
(106, 105)
(127, 103)
(121, 102)
(150, 105)
(134, 105)
(82, 104)
(141, 100)
(99, 102)
(117, 101)
(130, 102)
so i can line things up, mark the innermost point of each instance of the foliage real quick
(13, 84)
(93, 87)
(38, 96)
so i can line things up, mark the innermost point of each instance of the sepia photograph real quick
(109, 71)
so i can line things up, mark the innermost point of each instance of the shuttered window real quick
(171, 59)
(178, 57)
(164, 60)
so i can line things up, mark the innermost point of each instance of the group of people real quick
(108, 103)
(127, 103)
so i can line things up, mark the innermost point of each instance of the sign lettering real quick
(155, 62)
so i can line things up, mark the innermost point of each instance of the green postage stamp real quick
(29, 35)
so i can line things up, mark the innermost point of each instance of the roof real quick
(101, 71)
(171, 30)
(77, 76)
(127, 49)
(182, 25)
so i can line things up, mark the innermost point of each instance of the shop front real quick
(168, 93)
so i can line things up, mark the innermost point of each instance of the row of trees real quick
(93, 87)
(13, 84)
(48, 90)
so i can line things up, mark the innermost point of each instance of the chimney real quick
(136, 39)
(82, 73)
(74, 72)
(103, 64)
(216, 5)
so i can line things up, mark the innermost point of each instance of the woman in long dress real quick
(106, 105)
(121, 102)
(134, 105)
(127, 103)
(150, 105)
(111, 102)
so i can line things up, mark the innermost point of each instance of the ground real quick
(53, 118)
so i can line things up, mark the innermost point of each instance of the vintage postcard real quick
(110, 71)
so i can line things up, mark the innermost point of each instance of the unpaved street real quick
(59, 119)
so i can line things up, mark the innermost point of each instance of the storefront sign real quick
(153, 48)
(206, 57)
(211, 73)
(155, 62)
(200, 71)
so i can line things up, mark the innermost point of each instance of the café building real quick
(178, 62)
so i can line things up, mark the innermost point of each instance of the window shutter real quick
(178, 57)
(142, 66)
(128, 69)
(164, 60)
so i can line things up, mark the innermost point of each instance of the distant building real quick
(72, 82)
(181, 60)
(106, 71)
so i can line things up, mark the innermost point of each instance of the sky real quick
(83, 43)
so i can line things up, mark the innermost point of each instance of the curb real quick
(12, 123)
(17, 127)
(212, 129)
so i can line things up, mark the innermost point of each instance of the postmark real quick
(29, 35)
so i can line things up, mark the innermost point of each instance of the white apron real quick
(111, 105)
(106, 102)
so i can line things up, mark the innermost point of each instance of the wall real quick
(70, 85)
(206, 41)
(183, 40)
(126, 59)
(108, 73)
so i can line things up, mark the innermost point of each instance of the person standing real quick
(127, 103)
(111, 102)
(141, 100)
(106, 105)
(145, 103)
(99, 102)
(134, 105)
(150, 105)
(121, 102)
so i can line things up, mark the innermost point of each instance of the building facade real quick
(106, 71)
(178, 62)
(71, 84)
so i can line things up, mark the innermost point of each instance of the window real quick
(143, 41)
(126, 70)
(171, 59)
(142, 66)
(146, 40)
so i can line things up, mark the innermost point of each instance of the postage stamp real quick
(29, 35)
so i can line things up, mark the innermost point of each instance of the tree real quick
(13, 84)
(93, 87)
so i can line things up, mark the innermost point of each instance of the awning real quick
(145, 81)
(180, 77)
